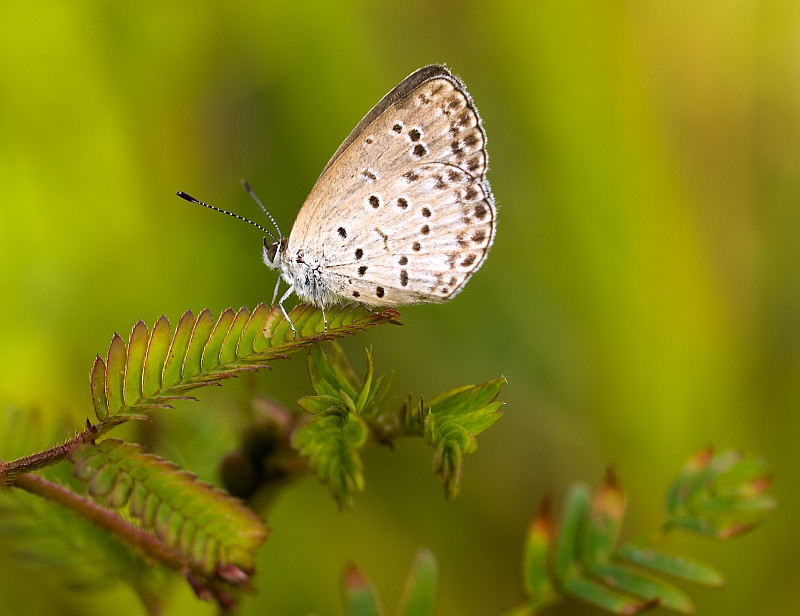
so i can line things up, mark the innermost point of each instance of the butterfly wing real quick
(403, 213)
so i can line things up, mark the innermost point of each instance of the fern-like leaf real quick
(155, 368)
(207, 528)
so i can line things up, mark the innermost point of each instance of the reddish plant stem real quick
(10, 471)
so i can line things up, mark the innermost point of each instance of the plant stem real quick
(11, 471)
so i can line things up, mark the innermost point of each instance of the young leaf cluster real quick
(347, 414)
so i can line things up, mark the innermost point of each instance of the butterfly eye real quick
(271, 250)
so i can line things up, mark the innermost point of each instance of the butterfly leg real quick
(325, 321)
(283, 310)
(275, 294)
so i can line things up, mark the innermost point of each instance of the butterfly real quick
(402, 213)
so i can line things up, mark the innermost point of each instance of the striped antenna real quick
(191, 199)
(246, 186)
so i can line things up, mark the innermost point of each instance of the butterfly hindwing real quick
(403, 212)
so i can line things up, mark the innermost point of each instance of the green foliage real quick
(207, 527)
(360, 598)
(170, 515)
(188, 525)
(419, 594)
(720, 496)
(81, 554)
(212, 538)
(451, 423)
(347, 414)
(155, 368)
(332, 441)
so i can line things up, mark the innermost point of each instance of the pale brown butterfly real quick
(402, 213)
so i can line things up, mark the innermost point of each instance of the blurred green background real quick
(642, 295)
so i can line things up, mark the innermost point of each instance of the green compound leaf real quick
(155, 368)
(719, 496)
(451, 423)
(331, 441)
(337, 385)
(580, 558)
(210, 530)
(348, 414)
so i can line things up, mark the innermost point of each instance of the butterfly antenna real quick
(191, 199)
(250, 192)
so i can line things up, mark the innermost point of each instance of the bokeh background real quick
(642, 296)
